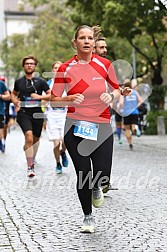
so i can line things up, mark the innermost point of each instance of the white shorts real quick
(55, 121)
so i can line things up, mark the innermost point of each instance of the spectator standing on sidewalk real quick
(4, 96)
(55, 121)
(88, 132)
(27, 96)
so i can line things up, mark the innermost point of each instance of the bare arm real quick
(15, 100)
(45, 97)
(107, 97)
(110, 97)
(66, 100)
(5, 96)
(140, 99)
(120, 104)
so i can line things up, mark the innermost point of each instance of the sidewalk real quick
(156, 141)
(44, 213)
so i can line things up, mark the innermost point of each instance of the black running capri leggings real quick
(92, 161)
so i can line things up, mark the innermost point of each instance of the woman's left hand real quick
(106, 98)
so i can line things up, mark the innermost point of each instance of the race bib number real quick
(31, 103)
(86, 130)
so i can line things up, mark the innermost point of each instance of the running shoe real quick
(58, 169)
(3, 148)
(106, 188)
(138, 132)
(130, 146)
(120, 141)
(97, 197)
(30, 172)
(88, 224)
(64, 158)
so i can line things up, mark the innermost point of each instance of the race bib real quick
(86, 130)
(31, 103)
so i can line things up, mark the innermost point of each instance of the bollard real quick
(160, 125)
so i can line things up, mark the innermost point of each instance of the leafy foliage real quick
(48, 40)
(142, 23)
(151, 128)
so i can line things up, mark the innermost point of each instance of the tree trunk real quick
(157, 79)
(158, 93)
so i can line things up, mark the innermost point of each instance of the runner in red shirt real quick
(91, 85)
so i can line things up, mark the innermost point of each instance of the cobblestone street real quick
(44, 213)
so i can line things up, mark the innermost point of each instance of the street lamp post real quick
(134, 62)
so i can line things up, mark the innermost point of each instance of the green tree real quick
(142, 23)
(49, 40)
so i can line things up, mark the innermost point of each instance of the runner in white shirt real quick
(55, 121)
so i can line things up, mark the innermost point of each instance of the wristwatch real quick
(112, 97)
(121, 90)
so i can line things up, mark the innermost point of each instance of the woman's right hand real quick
(76, 98)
